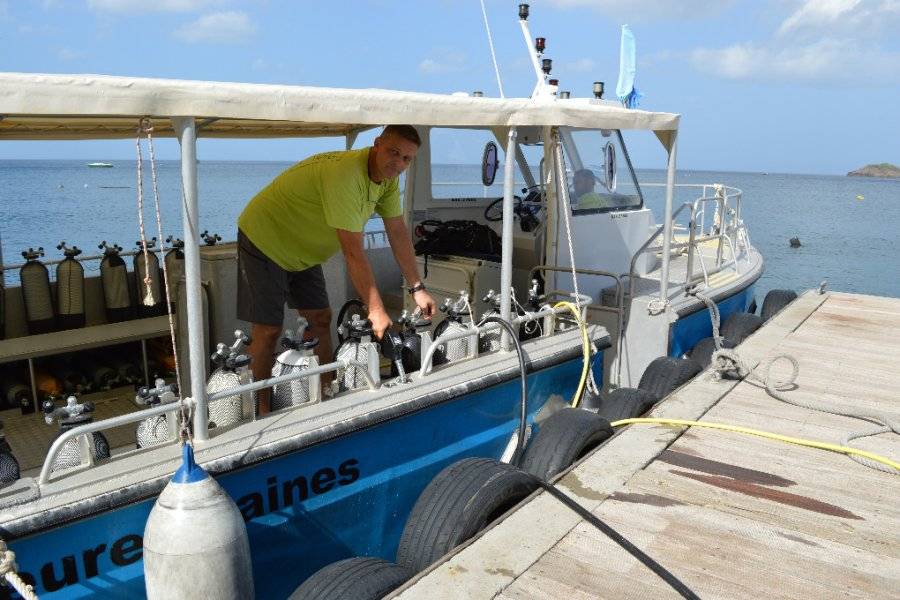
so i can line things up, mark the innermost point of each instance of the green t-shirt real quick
(592, 200)
(293, 219)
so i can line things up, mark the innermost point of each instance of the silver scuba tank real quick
(298, 355)
(489, 341)
(70, 289)
(232, 370)
(148, 281)
(114, 278)
(39, 313)
(174, 261)
(459, 348)
(160, 428)
(84, 449)
(416, 340)
(359, 348)
(9, 466)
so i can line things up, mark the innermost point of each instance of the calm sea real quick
(849, 227)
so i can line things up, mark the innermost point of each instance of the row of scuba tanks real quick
(404, 349)
(83, 372)
(124, 297)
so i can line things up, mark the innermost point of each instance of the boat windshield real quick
(599, 174)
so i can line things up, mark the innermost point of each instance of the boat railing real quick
(163, 409)
(474, 330)
(715, 216)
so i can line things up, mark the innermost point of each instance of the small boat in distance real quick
(100, 165)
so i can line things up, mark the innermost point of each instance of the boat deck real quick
(730, 515)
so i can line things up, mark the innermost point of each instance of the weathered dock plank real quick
(730, 515)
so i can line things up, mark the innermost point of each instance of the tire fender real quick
(562, 439)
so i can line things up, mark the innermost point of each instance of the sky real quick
(789, 86)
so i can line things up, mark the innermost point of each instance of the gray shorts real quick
(263, 286)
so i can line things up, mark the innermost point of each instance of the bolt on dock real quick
(729, 515)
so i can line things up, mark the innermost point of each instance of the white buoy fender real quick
(195, 540)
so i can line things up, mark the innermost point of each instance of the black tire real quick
(775, 301)
(459, 502)
(358, 578)
(665, 375)
(562, 439)
(703, 350)
(739, 326)
(626, 403)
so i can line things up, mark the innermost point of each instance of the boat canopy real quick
(39, 106)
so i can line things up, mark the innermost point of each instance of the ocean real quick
(849, 227)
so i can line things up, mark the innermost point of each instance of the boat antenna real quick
(542, 66)
(487, 28)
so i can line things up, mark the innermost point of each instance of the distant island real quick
(879, 170)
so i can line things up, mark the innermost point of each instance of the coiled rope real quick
(9, 575)
(727, 361)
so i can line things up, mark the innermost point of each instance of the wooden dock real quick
(730, 515)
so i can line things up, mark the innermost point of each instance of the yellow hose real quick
(586, 345)
(765, 434)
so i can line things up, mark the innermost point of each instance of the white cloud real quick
(447, 61)
(218, 28)
(647, 10)
(825, 61)
(842, 16)
(67, 54)
(145, 6)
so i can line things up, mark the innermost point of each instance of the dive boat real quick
(100, 165)
(598, 286)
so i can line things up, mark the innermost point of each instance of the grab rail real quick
(118, 421)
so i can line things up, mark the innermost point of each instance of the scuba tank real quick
(459, 348)
(114, 277)
(489, 341)
(70, 289)
(72, 379)
(9, 466)
(17, 393)
(127, 372)
(298, 355)
(415, 334)
(532, 329)
(358, 347)
(233, 369)
(210, 239)
(94, 446)
(36, 292)
(160, 428)
(150, 300)
(174, 261)
(99, 374)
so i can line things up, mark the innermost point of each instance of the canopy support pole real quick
(507, 235)
(187, 137)
(667, 223)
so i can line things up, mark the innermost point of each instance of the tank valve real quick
(72, 412)
(161, 393)
(211, 239)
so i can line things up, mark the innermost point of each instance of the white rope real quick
(487, 27)
(8, 569)
(727, 361)
(564, 199)
(146, 128)
(148, 298)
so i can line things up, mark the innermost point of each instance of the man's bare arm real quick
(363, 280)
(401, 246)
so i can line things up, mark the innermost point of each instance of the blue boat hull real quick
(691, 328)
(346, 497)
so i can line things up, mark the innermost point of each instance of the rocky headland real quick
(879, 170)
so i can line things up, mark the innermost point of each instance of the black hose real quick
(664, 574)
(523, 413)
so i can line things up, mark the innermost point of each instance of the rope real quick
(491, 44)
(729, 361)
(8, 569)
(148, 298)
(146, 128)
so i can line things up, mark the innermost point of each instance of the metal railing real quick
(724, 227)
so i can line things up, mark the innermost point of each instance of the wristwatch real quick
(416, 288)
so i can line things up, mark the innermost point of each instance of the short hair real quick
(585, 173)
(407, 132)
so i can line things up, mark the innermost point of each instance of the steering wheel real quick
(532, 201)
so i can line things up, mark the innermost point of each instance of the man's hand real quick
(425, 303)
(380, 322)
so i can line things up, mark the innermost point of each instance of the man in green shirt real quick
(302, 218)
(583, 192)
